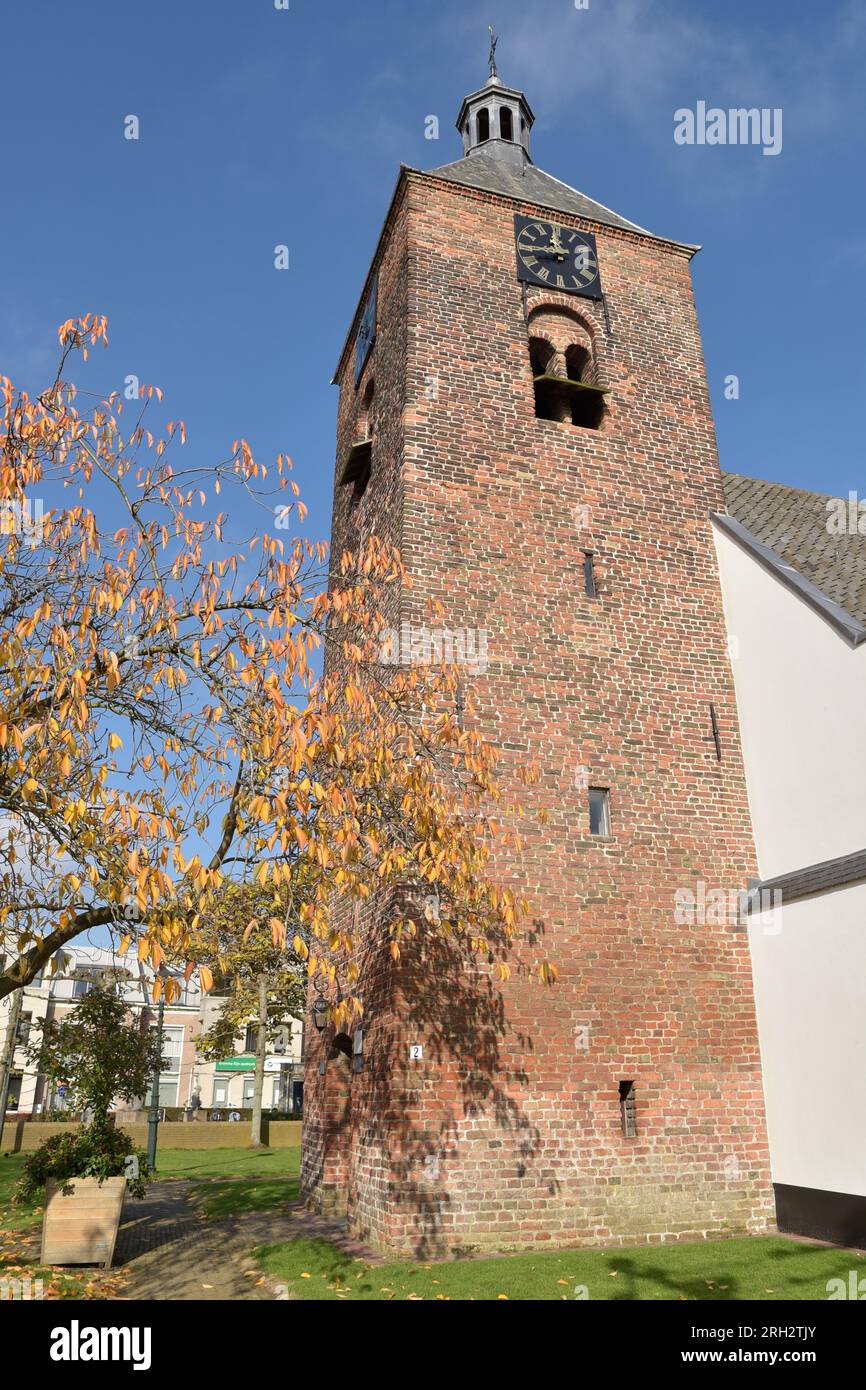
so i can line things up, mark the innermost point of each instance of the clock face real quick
(556, 257)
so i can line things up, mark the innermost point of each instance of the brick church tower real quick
(524, 412)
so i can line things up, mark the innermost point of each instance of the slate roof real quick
(815, 878)
(533, 185)
(793, 524)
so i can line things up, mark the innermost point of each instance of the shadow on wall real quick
(421, 1155)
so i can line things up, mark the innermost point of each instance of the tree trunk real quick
(9, 1054)
(256, 1141)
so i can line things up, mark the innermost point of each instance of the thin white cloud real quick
(639, 59)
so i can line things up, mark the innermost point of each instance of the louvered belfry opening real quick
(564, 369)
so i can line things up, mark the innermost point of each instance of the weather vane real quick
(492, 59)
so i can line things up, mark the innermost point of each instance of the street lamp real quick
(153, 1117)
(320, 1014)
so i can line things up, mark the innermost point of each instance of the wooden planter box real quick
(81, 1227)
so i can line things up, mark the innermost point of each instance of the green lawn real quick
(227, 1163)
(217, 1200)
(186, 1163)
(15, 1218)
(765, 1268)
(228, 1181)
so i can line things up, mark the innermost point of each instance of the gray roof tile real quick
(814, 878)
(532, 185)
(793, 523)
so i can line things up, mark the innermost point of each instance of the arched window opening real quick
(506, 123)
(587, 406)
(541, 355)
(564, 370)
(577, 362)
(549, 404)
(483, 124)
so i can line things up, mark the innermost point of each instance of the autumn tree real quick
(163, 726)
(241, 940)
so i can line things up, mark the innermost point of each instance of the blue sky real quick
(260, 126)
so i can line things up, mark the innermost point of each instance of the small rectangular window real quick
(627, 1109)
(599, 811)
(589, 587)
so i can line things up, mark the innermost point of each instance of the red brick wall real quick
(509, 1131)
(344, 1154)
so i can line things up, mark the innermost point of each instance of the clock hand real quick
(558, 251)
(556, 245)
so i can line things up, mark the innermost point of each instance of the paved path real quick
(169, 1251)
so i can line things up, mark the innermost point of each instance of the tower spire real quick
(494, 39)
(496, 120)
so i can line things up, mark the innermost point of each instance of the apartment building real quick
(189, 1081)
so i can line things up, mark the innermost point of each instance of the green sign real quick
(237, 1064)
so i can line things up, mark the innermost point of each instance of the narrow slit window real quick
(628, 1109)
(483, 124)
(506, 126)
(589, 585)
(599, 811)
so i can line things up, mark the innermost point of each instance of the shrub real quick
(93, 1152)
